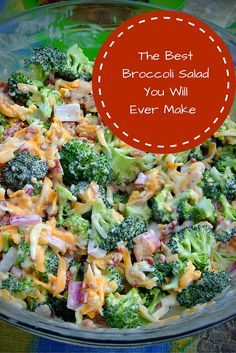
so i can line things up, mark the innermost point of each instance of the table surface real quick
(221, 339)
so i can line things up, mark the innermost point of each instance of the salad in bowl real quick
(96, 232)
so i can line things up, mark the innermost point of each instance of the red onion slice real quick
(8, 260)
(145, 245)
(74, 294)
(141, 180)
(20, 220)
(57, 243)
(95, 251)
(17, 272)
(28, 189)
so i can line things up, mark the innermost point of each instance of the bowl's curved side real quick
(186, 324)
(89, 24)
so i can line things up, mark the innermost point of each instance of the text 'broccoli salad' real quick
(93, 231)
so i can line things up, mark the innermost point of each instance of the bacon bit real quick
(30, 132)
(4, 87)
(162, 258)
(5, 220)
(87, 136)
(15, 128)
(28, 189)
(169, 228)
(116, 259)
(69, 277)
(58, 167)
(93, 285)
(88, 324)
(135, 284)
(51, 78)
(3, 205)
(150, 260)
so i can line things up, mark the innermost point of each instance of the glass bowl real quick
(88, 23)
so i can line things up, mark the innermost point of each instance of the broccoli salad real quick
(93, 231)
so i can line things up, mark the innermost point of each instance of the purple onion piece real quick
(74, 294)
(20, 220)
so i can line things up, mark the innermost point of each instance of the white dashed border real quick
(155, 18)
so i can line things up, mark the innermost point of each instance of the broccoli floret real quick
(125, 166)
(33, 303)
(23, 252)
(229, 188)
(228, 210)
(195, 244)
(59, 309)
(120, 198)
(76, 224)
(164, 205)
(14, 285)
(69, 218)
(51, 262)
(103, 220)
(24, 167)
(64, 198)
(37, 189)
(142, 212)
(226, 181)
(215, 281)
(223, 258)
(43, 61)
(227, 132)
(210, 188)
(151, 298)
(162, 270)
(200, 211)
(205, 290)
(105, 196)
(6, 242)
(77, 65)
(226, 159)
(225, 235)
(113, 275)
(196, 153)
(122, 311)
(74, 64)
(3, 120)
(78, 189)
(126, 231)
(47, 125)
(178, 268)
(80, 162)
(16, 94)
(98, 170)
(3, 124)
(44, 100)
(215, 183)
(181, 157)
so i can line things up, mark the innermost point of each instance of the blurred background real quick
(222, 12)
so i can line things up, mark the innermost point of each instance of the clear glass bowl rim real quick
(147, 335)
